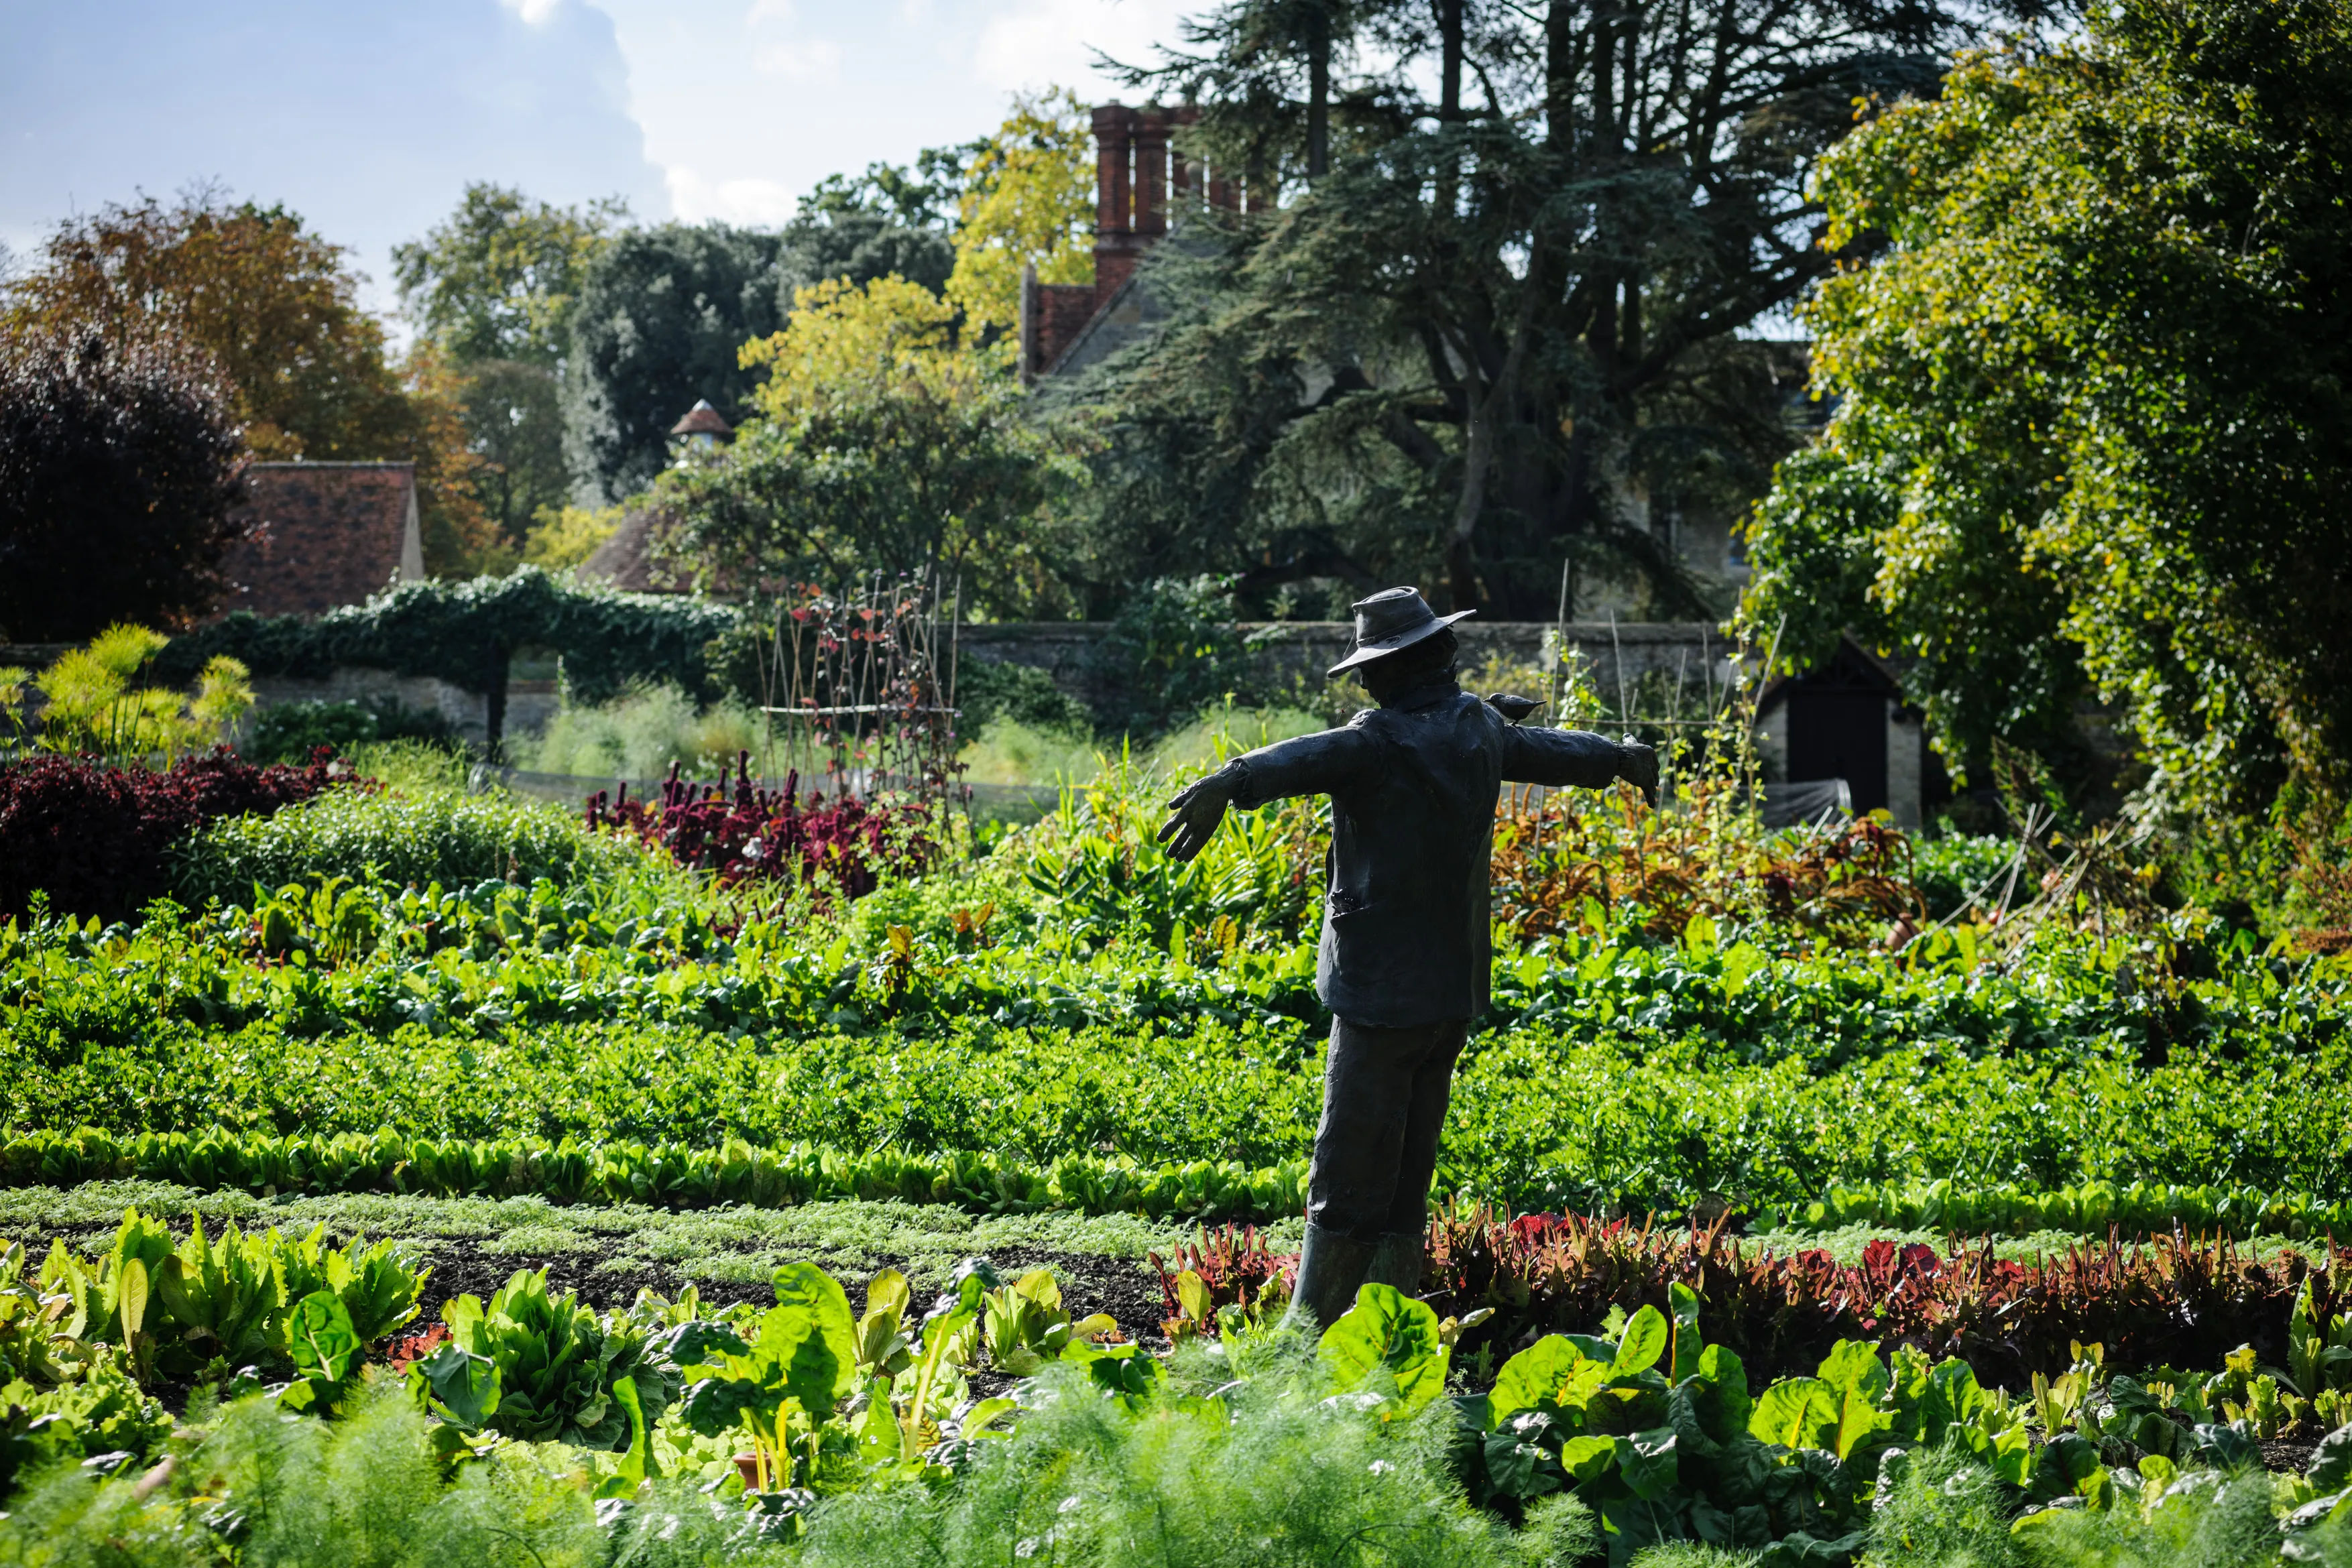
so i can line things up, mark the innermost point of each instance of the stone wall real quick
(1299, 651)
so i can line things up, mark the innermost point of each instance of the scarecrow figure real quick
(1404, 955)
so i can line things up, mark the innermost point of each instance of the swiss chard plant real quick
(1662, 1435)
(540, 1366)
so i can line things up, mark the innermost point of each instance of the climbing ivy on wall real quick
(464, 634)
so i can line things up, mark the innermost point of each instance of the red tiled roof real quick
(327, 534)
(626, 559)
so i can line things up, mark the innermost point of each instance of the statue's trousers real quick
(1384, 1093)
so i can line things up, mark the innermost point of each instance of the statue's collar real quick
(1413, 699)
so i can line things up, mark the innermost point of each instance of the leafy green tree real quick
(493, 289)
(662, 312)
(1494, 330)
(500, 278)
(1028, 200)
(2091, 434)
(879, 445)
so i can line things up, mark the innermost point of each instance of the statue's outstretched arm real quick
(1577, 757)
(1308, 765)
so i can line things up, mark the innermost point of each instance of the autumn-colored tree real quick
(1028, 199)
(276, 309)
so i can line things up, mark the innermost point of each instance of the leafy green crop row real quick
(1062, 999)
(673, 1175)
(1116, 1056)
(918, 961)
(739, 1173)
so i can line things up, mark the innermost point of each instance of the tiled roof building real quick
(325, 534)
(1066, 327)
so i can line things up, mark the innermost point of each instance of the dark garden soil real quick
(1090, 1282)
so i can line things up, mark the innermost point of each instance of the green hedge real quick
(408, 839)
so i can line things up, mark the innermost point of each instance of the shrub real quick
(418, 839)
(97, 838)
(987, 691)
(1172, 651)
(119, 465)
(92, 704)
(289, 732)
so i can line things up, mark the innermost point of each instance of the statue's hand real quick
(1193, 816)
(1638, 765)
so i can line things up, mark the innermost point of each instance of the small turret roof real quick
(701, 420)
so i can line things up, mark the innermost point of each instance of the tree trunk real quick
(1449, 99)
(1449, 67)
(1498, 404)
(494, 702)
(1318, 93)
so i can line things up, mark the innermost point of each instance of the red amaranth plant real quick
(97, 837)
(2178, 1303)
(749, 833)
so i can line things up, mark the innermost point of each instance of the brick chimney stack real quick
(1117, 244)
(1135, 172)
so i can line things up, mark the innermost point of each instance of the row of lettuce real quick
(1204, 1191)
(916, 958)
(1547, 1115)
(800, 1419)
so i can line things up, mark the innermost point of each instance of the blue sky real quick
(369, 117)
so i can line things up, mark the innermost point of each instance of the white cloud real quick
(695, 196)
(815, 59)
(746, 103)
(534, 13)
(1032, 43)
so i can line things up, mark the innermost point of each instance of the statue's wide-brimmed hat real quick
(1391, 619)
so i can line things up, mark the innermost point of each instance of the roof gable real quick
(324, 535)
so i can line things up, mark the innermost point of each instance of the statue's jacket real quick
(1413, 787)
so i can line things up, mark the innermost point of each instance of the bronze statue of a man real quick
(1404, 955)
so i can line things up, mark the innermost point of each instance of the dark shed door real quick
(1838, 730)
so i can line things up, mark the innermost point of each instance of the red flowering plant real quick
(748, 833)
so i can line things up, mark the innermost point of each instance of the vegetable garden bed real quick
(545, 1052)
